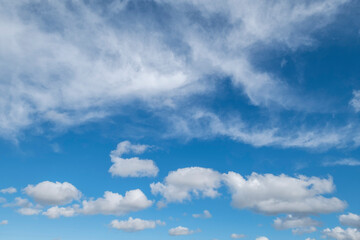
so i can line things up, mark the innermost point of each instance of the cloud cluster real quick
(270, 194)
(267, 194)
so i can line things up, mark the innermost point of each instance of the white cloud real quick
(270, 194)
(134, 224)
(351, 220)
(50, 193)
(126, 147)
(206, 124)
(29, 211)
(131, 167)
(342, 234)
(204, 214)
(56, 212)
(116, 204)
(52, 76)
(185, 183)
(179, 231)
(299, 225)
(9, 190)
(355, 101)
(237, 236)
(343, 162)
(262, 238)
(19, 202)
(310, 239)
(4, 222)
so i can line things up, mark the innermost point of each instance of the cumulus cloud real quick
(179, 231)
(4, 222)
(339, 233)
(350, 219)
(134, 224)
(131, 167)
(9, 190)
(184, 183)
(237, 236)
(116, 204)
(270, 194)
(53, 193)
(299, 225)
(204, 214)
(56, 212)
(343, 162)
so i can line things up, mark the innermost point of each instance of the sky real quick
(187, 119)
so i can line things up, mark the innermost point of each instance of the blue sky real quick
(185, 119)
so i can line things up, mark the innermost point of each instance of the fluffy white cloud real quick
(4, 222)
(134, 224)
(56, 212)
(116, 204)
(237, 236)
(50, 193)
(131, 167)
(270, 194)
(342, 234)
(351, 220)
(184, 183)
(343, 162)
(205, 214)
(29, 211)
(178, 231)
(310, 239)
(9, 190)
(299, 225)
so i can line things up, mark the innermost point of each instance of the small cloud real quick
(135, 224)
(9, 190)
(179, 231)
(4, 222)
(237, 236)
(343, 162)
(205, 214)
(355, 101)
(262, 238)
